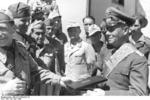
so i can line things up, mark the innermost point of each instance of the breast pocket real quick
(122, 73)
(79, 58)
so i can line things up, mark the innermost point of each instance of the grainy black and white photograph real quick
(74, 48)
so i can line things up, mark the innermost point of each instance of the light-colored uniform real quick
(78, 60)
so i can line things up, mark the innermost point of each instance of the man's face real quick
(136, 26)
(114, 35)
(48, 30)
(74, 32)
(22, 24)
(87, 23)
(38, 36)
(6, 34)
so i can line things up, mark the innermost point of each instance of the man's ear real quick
(126, 30)
(13, 28)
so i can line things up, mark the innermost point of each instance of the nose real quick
(40, 36)
(1, 35)
(108, 33)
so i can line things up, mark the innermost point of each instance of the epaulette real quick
(139, 53)
(21, 44)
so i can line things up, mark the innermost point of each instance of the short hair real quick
(142, 20)
(90, 17)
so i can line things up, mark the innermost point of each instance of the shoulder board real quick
(136, 50)
(139, 53)
(21, 44)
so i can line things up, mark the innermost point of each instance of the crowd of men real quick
(37, 59)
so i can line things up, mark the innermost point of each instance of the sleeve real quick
(138, 79)
(90, 54)
(43, 73)
(149, 79)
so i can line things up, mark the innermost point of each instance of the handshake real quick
(65, 81)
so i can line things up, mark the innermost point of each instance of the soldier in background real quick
(94, 38)
(137, 38)
(87, 22)
(45, 54)
(21, 15)
(17, 65)
(79, 55)
(140, 41)
(57, 43)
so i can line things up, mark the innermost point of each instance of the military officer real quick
(16, 64)
(124, 66)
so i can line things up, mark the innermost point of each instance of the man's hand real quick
(32, 26)
(95, 92)
(64, 81)
(14, 87)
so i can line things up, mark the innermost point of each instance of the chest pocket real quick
(122, 71)
(78, 57)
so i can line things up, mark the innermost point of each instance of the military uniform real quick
(125, 67)
(45, 54)
(130, 75)
(141, 45)
(46, 57)
(24, 67)
(21, 10)
(78, 59)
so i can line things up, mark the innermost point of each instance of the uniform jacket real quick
(129, 77)
(141, 45)
(25, 67)
(78, 59)
(47, 58)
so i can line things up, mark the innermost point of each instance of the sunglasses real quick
(111, 28)
(87, 24)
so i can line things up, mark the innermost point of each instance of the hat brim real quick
(38, 30)
(94, 33)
